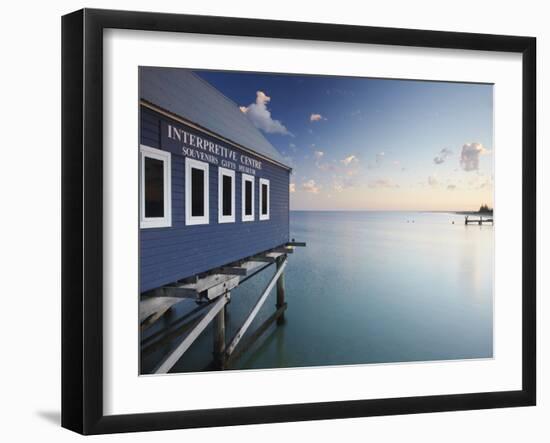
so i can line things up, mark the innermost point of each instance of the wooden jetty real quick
(469, 220)
(212, 292)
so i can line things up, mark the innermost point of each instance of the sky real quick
(373, 144)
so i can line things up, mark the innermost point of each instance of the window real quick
(155, 190)
(196, 192)
(248, 198)
(226, 195)
(264, 199)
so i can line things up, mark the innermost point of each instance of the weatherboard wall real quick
(172, 253)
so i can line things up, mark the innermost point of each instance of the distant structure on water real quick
(473, 218)
(485, 209)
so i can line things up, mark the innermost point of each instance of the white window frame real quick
(264, 181)
(245, 178)
(165, 157)
(203, 219)
(228, 173)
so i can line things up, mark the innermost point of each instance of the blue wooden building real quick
(213, 190)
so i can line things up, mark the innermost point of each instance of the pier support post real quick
(219, 339)
(281, 290)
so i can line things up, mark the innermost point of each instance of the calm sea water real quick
(370, 287)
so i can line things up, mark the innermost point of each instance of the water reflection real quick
(370, 287)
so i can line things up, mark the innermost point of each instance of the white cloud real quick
(260, 116)
(350, 160)
(383, 183)
(380, 157)
(311, 186)
(323, 166)
(343, 182)
(433, 181)
(316, 117)
(292, 187)
(451, 187)
(469, 157)
(442, 156)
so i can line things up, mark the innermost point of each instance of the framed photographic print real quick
(270, 221)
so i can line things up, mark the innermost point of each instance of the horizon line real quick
(382, 210)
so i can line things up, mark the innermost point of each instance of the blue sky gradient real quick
(373, 144)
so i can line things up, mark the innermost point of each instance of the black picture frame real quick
(82, 239)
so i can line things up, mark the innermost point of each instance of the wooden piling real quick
(171, 359)
(280, 291)
(219, 339)
(212, 291)
(242, 330)
(247, 344)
